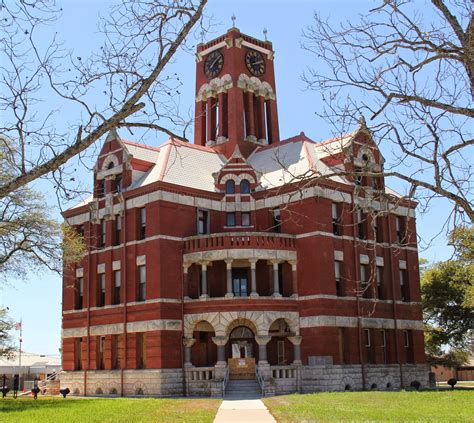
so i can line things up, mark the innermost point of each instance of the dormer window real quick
(245, 186)
(230, 187)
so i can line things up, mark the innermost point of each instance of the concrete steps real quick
(243, 389)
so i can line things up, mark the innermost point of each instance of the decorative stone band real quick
(118, 328)
(244, 253)
(256, 86)
(224, 322)
(351, 322)
(214, 87)
(268, 202)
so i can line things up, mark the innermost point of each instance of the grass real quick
(74, 410)
(410, 406)
(460, 383)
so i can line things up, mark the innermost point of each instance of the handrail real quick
(260, 380)
(43, 383)
(225, 380)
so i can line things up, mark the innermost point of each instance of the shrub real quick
(452, 382)
(415, 384)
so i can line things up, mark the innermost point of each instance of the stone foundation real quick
(305, 379)
(147, 382)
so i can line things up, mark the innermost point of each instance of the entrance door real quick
(242, 363)
(240, 282)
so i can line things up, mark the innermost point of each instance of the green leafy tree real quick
(6, 325)
(448, 303)
(29, 237)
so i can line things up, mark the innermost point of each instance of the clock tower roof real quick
(235, 94)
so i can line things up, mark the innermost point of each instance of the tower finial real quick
(265, 33)
(233, 19)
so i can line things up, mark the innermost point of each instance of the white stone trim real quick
(237, 178)
(141, 260)
(379, 261)
(263, 50)
(220, 321)
(79, 272)
(208, 50)
(241, 253)
(214, 87)
(338, 255)
(101, 268)
(256, 86)
(402, 264)
(118, 328)
(116, 265)
(366, 322)
(363, 259)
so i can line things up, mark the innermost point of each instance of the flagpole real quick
(19, 356)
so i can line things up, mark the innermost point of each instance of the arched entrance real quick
(204, 351)
(242, 353)
(280, 349)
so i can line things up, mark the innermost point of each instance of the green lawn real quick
(74, 410)
(411, 406)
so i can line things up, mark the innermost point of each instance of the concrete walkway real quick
(248, 411)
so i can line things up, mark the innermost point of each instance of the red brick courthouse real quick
(232, 258)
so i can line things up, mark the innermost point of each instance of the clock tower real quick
(235, 94)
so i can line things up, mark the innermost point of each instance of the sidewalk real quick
(248, 411)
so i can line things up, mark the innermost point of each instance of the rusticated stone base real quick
(147, 382)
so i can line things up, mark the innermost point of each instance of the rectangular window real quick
(369, 356)
(336, 219)
(141, 351)
(230, 219)
(116, 364)
(141, 295)
(361, 223)
(118, 230)
(383, 345)
(103, 233)
(404, 288)
(358, 178)
(364, 281)
(276, 220)
(203, 222)
(342, 346)
(408, 344)
(101, 350)
(101, 188)
(142, 225)
(380, 287)
(101, 291)
(118, 183)
(281, 352)
(245, 218)
(117, 283)
(80, 293)
(78, 347)
(378, 228)
(338, 277)
(401, 229)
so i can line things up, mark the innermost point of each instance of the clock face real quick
(255, 62)
(213, 64)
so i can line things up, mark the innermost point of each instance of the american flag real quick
(18, 326)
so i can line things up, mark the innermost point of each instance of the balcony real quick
(249, 264)
(229, 240)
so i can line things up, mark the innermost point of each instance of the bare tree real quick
(37, 81)
(415, 81)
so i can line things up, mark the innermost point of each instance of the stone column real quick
(253, 278)
(262, 342)
(204, 280)
(186, 267)
(296, 341)
(276, 282)
(230, 292)
(294, 280)
(220, 341)
(188, 343)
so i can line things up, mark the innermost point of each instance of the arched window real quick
(230, 187)
(245, 186)
(110, 166)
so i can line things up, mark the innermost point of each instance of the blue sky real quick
(37, 301)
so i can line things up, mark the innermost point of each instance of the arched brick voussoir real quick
(191, 320)
(292, 319)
